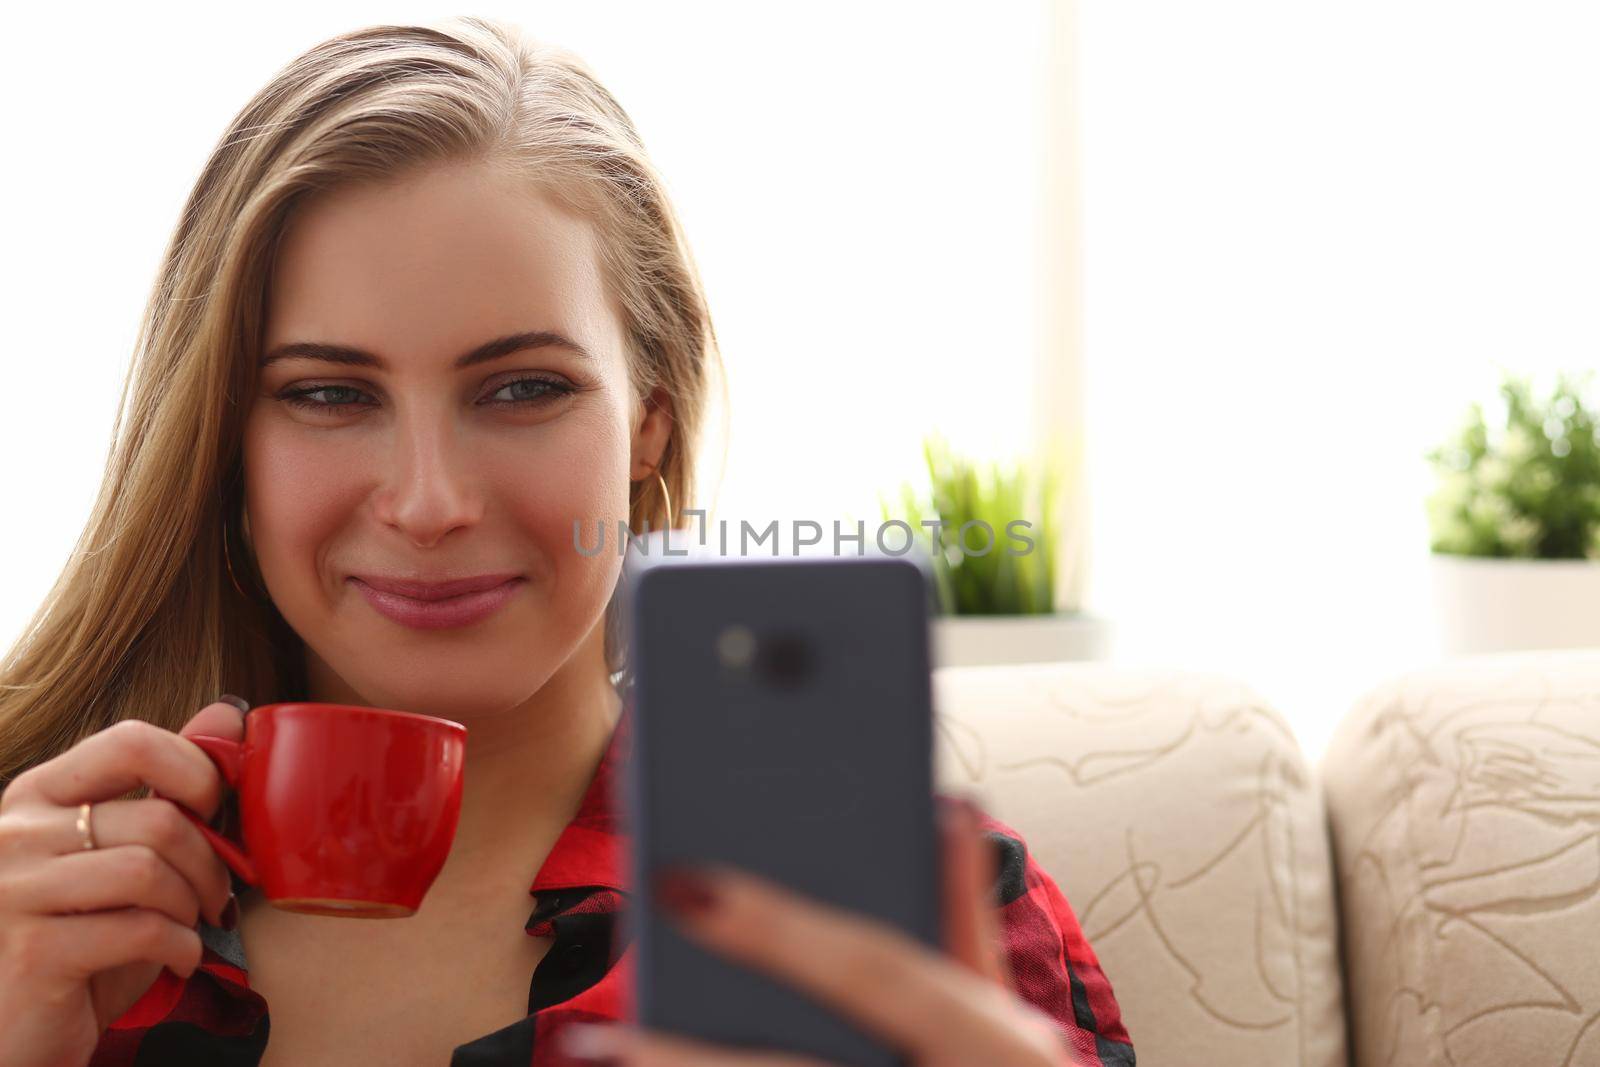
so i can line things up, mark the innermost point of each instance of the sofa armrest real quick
(1177, 815)
(1465, 805)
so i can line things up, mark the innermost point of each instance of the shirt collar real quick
(589, 852)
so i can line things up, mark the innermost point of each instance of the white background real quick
(1311, 232)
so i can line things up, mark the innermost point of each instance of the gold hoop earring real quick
(665, 496)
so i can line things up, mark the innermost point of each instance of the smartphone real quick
(783, 725)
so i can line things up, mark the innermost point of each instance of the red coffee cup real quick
(343, 810)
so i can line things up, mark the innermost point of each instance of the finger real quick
(154, 822)
(78, 946)
(124, 756)
(160, 824)
(970, 926)
(907, 994)
(624, 1045)
(46, 831)
(223, 719)
(217, 719)
(990, 927)
(103, 879)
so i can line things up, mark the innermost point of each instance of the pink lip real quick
(418, 590)
(435, 612)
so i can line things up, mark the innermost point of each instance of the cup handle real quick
(224, 752)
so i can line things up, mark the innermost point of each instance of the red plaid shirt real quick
(213, 1017)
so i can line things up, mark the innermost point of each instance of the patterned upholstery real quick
(1466, 803)
(1462, 816)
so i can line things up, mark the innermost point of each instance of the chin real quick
(451, 700)
(458, 683)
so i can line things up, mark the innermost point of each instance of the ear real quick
(650, 435)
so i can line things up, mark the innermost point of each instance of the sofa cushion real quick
(1177, 815)
(1465, 804)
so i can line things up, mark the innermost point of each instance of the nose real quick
(430, 488)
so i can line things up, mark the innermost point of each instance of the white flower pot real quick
(1493, 605)
(969, 640)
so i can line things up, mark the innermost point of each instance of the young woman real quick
(426, 306)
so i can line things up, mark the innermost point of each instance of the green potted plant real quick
(1515, 524)
(996, 559)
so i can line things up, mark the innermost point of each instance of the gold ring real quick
(85, 825)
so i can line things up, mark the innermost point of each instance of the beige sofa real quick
(1429, 895)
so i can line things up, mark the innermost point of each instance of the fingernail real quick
(597, 1043)
(239, 702)
(230, 913)
(684, 892)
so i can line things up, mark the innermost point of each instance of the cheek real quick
(300, 492)
(578, 475)
(307, 493)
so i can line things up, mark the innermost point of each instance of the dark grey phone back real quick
(783, 725)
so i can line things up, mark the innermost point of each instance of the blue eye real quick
(539, 391)
(549, 389)
(300, 397)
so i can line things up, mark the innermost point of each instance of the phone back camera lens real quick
(785, 660)
(735, 647)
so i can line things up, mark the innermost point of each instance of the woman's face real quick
(406, 461)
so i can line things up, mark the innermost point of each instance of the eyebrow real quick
(489, 350)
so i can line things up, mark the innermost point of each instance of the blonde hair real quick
(144, 621)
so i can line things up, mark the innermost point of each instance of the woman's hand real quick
(85, 932)
(951, 1010)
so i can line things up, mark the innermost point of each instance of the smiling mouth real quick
(462, 609)
(417, 589)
